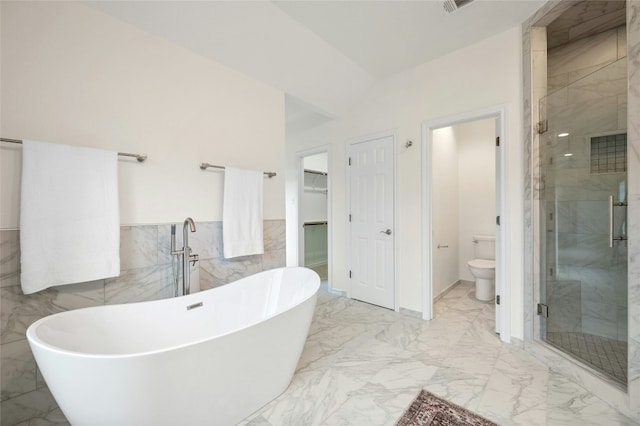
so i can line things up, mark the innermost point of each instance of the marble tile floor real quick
(363, 365)
(606, 355)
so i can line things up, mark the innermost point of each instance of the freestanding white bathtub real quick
(209, 358)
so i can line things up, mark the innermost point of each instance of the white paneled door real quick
(372, 224)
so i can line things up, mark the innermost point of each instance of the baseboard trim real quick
(449, 288)
(313, 265)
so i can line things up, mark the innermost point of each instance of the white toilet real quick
(483, 267)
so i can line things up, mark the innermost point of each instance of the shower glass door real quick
(583, 222)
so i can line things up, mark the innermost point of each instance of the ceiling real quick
(323, 54)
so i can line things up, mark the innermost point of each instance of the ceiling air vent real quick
(451, 6)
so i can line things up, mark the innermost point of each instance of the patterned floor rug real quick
(428, 409)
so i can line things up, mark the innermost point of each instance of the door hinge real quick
(349, 274)
(543, 310)
(497, 299)
(498, 220)
(550, 272)
(349, 217)
(349, 160)
(550, 160)
(542, 126)
(498, 141)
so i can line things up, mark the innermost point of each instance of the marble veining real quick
(19, 372)
(38, 404)
(522, 382)
(206, 241)
(19, 312)
(138, 247)
(274, 233)
(217, 272)
(567, 401)
(9, 258)
(139, 285)
(274, 259)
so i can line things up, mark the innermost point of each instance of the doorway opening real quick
(313, 214)
(465, 221)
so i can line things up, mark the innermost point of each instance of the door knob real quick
(388, 232)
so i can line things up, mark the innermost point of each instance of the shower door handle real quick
(610, 221)
(611, 205)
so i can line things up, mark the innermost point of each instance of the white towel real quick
(242, 213)
(69, 215)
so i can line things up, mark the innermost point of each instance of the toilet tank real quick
(484, 247)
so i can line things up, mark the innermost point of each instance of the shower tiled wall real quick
(146, 274)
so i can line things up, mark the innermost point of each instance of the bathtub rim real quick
(34, 339)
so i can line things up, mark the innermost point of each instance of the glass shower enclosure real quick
(583, 247)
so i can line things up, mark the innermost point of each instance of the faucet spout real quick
(188, 224)
(191, 223)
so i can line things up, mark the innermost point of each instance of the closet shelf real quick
(315, 181)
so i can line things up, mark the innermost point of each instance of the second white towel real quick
(242, 233)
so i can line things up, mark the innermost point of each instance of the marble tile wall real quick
(586, 19)
(633, 140)
(146, 274)
(535, 85)
(630, 400)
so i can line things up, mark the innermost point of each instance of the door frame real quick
(503, 268)
(300, 155)
(393, 134)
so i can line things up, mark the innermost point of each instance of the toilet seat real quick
(482, 264)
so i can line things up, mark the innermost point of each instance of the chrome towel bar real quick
(205, 166)
(138, 157)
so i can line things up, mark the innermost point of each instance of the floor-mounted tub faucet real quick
(185, 252)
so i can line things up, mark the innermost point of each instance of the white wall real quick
(445, 209)
(477, 180)
(317, 162)
(483, 75)
(73, 75)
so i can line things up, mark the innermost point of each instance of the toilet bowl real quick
(484, 272)
(483, 267)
